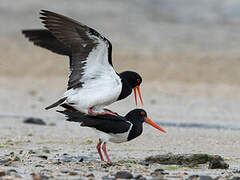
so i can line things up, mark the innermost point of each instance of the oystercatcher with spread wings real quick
(93, 82)
(112, 128)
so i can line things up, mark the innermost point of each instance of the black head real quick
(132, 78)
(138, 116)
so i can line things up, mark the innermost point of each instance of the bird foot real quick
(107, 111)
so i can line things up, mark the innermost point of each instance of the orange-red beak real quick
(149, 121)
(137, 89)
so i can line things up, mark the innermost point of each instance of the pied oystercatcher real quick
(93, 82)
(113, 128)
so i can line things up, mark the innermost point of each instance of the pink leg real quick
(99, 150)
(105, 109)
(105, 152)
(91, 112)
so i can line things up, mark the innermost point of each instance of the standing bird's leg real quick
(99, 150)
(105, 152)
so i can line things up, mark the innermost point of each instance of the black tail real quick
(75, 115)
(56, 103)
(68, 107)
(45, 39)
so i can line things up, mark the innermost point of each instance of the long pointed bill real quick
(149, 121)
(137, 89)
(135, 95)
(139, 93)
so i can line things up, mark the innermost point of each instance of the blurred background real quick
(186, 51)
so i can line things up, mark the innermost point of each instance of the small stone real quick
(65, 171)
(4, 160)
(218, 163)
(144, 163)
(16, 158)
(140, 177)
(39, 165)
(10, 171)
(2, 173)
(77, 169)
(42, 156)
(106, 165)
(39, 177)
(123, 175)
(158, 172)
(90, 175)
(197, 177)
(31, 152)
(72, 173)
(107, 178)
(32, 120)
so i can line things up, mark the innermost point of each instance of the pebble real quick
(4, 160)
(42, 156)
(144, 163)
(39, 177)
(123, 175)
(32, 152)
(197, 177)
(65, 171)
(158, 172)
(2, 173)
(90, 175)
(140, 177)
(72, 173)
(107, 178)
(218, 164)
(32, 120)
(10, 171)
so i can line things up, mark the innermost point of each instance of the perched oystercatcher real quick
(93, 82)
(113, 128)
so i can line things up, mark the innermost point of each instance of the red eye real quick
(143, 113)
(138, 80)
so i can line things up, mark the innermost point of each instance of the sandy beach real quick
(189, 61)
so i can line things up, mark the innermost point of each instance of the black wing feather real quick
(44, 38)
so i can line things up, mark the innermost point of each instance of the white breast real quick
(114, 138)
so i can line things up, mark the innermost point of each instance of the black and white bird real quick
(93, 83)
(111, 128)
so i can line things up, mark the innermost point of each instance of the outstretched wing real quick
(91, 52)
(45, 39)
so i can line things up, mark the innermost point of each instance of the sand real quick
(190, 69)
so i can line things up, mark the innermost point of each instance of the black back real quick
(105, 123)
(109, 123)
